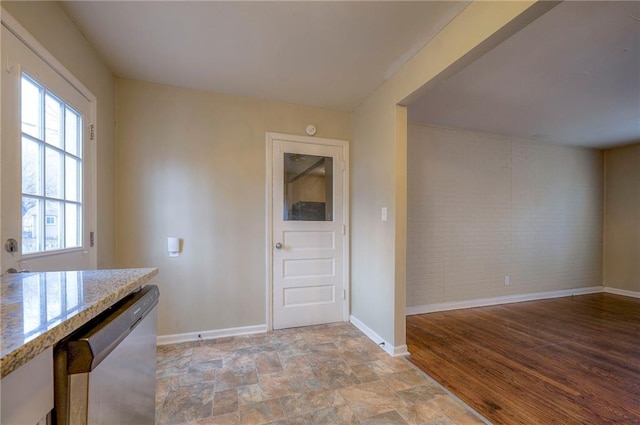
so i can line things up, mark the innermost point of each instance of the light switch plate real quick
(383, 214)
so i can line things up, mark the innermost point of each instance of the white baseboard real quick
(203, 335)
(400, 351)
(394, 351)
(623, 292)
(507, 299)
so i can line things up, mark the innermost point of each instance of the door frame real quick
(90, 154)
(346, 273)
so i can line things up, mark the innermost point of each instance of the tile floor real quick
(328, 374)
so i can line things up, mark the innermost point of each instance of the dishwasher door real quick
(106, 373)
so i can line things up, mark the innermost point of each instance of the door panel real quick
(47, 198)
(309, 268)
(308, 242)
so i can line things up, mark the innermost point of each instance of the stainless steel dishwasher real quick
(105, 373)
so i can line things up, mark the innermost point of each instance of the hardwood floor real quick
(573, 360)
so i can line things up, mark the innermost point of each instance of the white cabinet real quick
(27, 392)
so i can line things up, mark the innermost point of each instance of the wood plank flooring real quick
(573, 360)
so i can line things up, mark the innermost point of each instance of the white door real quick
(46, 164)
(309, 238)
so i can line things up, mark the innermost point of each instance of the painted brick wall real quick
(482, 206)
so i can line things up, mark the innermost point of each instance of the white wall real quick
(483, 206)
(49, 24)
(191, 164)
(622, 218)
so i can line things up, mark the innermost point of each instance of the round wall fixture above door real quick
(311, 130)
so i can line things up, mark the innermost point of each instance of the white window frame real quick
(43, 197)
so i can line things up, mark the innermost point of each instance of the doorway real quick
(307, 231)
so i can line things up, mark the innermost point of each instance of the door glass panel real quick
(53, 121)
(31, 219)
(53, 173)
(72, 180)
(72, 214)
(71, 133)
(308, 188)
(31, 112)
(31, 167)
(53, 224)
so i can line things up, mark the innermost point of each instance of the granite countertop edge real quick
(31, 349)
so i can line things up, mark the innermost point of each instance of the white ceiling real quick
(324, 54)
(571, 77)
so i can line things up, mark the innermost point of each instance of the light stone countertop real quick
(39, 309)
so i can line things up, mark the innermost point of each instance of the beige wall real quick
(622, 218)
(191, 164)
(308, 188)
(378, 161)
(483, 206)
(184, 140)
(49, 24)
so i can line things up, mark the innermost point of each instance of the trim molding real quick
(623, 292)
(213, 334)
(507, 299)
(400, 350)
(394, 351)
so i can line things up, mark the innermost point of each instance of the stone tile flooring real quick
(327, 374)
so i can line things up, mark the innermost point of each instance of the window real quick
(308, 187)
(51, 170)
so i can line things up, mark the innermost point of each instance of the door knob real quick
(278, 245)
(11, 245)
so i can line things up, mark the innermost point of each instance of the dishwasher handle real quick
(90, 345)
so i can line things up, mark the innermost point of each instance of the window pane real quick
(31, 167)
(72, 181)
(53, 121)
(53, 225)
(72, 132)
(31, 108)
(72, 225)
(308, 188)
(53, 177)
(31, 219)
